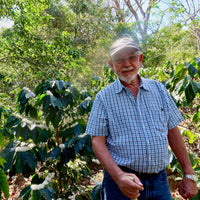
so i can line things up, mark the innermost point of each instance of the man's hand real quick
(129, 187)
(188, 188)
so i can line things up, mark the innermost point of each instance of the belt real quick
(139, 174)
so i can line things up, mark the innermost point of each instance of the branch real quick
(135, 15)
(117, 4)
(140, 7)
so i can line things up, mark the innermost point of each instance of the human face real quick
(126, 65)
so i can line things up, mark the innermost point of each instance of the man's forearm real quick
(101, 151)
(178, 147)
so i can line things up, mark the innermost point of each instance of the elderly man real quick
(132, 122)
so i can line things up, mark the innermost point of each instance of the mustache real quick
(127, 69)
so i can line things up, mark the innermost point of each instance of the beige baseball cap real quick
(121, 44)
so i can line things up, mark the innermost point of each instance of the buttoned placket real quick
(139, 99)
(136, 102)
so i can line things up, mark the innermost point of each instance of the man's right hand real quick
(129, 187)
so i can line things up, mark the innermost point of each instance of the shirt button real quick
(147, 141)
(143, 126)
(149, 158)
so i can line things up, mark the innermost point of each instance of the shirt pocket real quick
(158, 118)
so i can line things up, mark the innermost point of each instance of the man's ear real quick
(141, 58)
(111, 64)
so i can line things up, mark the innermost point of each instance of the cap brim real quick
(120, 49)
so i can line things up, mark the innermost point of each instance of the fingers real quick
(136, 180)
(130, 185)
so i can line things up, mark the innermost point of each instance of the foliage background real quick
(53, 61)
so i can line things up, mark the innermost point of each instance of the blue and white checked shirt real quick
(135, 129)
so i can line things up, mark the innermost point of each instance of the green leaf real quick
(30, 158)
(192, 137)
(4, 184)
(37, 179)
(72, 141)
(47, 194)
(44, 135)
(195, 87)
(82, 140)
(12, 122)
(66, 99)
(34, 113)
(179, 75)
(55, 117)
(25, 193)
(74, 92)
(96, 192)
(50, 99)
(59, 84)
(9, 154)
(77, 130)
(19, 163)
(196, 117)
(2, 161)
(192, 70)
(25, 162)
(23, 131)
(189, 93)
(35, 194)
(41, 154)
(55, 153)
(67, 155)
(186, 81)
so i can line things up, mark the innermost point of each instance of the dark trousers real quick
(156, 187)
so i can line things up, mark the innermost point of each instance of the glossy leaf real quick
(50, 100)
(66, 99)
(55, 153)
(191, 69)
(186, 81)
(67, 155)
(60, 84)
(35, 194)
(96, 192)
(82, 140)
(189, 93)
(25, 193)
(47, 194)
(195, 87)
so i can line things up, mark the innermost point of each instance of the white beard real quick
(127, 80)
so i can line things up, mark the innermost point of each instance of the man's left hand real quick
(187, 188)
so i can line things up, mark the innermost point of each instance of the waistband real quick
(139, 174)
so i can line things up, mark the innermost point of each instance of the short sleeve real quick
(175, 117)
(98, 120)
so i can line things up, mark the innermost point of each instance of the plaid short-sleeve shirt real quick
(135, 129)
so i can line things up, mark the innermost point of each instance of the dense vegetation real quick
(53, 61)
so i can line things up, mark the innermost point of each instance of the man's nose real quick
(127, 62)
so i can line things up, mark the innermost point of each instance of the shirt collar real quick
(143, 84)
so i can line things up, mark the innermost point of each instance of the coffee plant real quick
(184, 85)
(47, 140)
